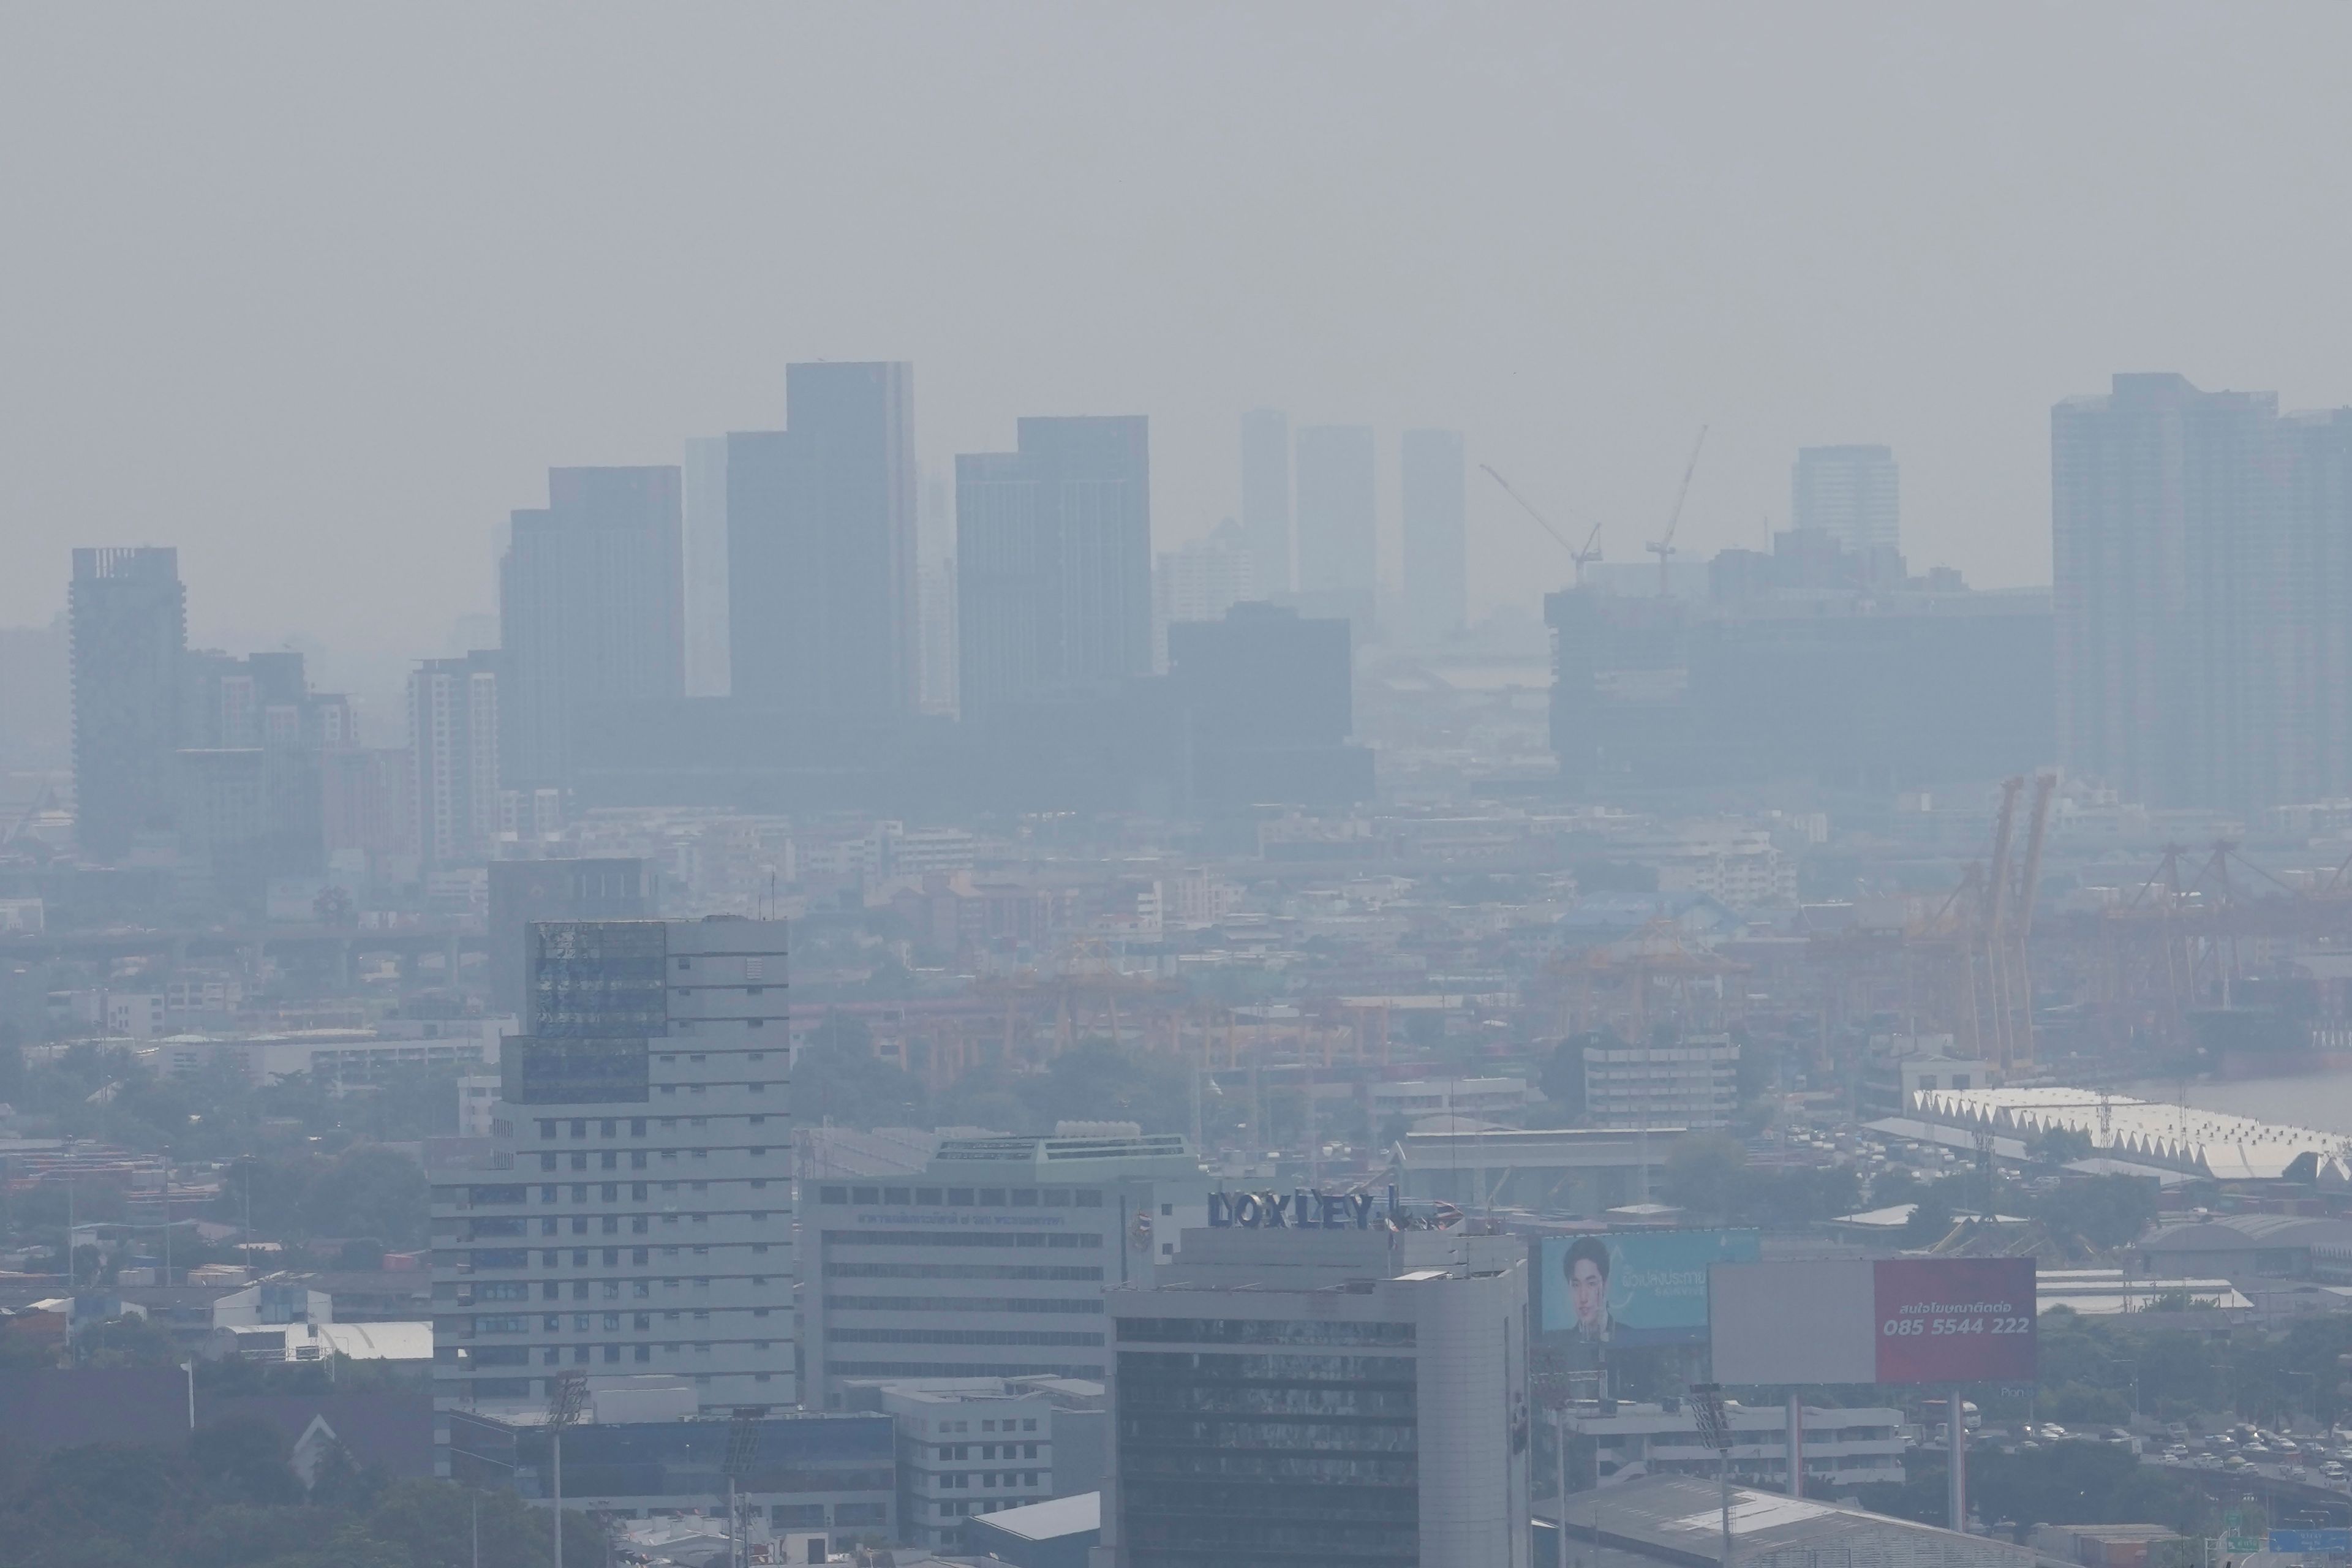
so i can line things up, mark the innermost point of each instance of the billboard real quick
(1899, 1319)
(1641, 1288)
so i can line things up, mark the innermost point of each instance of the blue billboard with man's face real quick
(1641, 1288)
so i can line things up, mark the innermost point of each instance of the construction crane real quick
(1663, 548)
(1578, 556)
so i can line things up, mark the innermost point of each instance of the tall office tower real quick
(1268, 702)
(936, 589)
(254, 742)
(821, 546)
(526, 892)
(1436, 536)
(989, 1262)
(453, 758)
(634, 1214)
(1054, 561)
(1322, 1396)
(590, 612)
(1199, 580)
(1849, 493)
(2178, 605)
(129, 620)
(1338, 528)
(1266, 498)
(705, 551)
(37, 696)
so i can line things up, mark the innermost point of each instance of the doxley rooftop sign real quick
(1301, 1211)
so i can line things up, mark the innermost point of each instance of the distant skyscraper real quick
(821, 545)
(1199, 580)
(453, 750)
(590, 612)
(1436, 537)
(1338, 528)
(1266, 498)
(705, 518)
(937, 591)
(130, 622)
(1053, 560)
(1848, 493)
(2202, 561)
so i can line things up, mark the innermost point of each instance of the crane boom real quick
(1664, 549)
(1578, 556)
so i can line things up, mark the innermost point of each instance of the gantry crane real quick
(1578, 556)
(1664, 547)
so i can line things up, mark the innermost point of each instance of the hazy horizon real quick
(318, 296)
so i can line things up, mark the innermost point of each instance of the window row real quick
(967, 1197)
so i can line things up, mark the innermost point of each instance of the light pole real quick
(1714, 1431)
(569, 1393)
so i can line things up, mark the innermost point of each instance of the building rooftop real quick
(1679, 1520)
(1050, 1520)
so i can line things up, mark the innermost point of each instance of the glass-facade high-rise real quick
(1054, 561)
(130, 625)
(1322, 1399)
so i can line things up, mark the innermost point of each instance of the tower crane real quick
(1578, 556)
(1663, 548)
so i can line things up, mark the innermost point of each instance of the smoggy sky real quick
(317, 293)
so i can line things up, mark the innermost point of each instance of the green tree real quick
(127, 1341)
(838, 1077)
(370, 1192)
(1704, 1174)
(2097, 1214)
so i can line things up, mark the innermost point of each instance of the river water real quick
(2323, 1100)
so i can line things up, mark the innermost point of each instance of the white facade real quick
(1448, 1097)
(1695, 1083)
(635, 1213)
(1843, 1447)
(969, 1451)
(990, 1262)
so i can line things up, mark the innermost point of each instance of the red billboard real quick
(1955, 1319)
(1858, 1321)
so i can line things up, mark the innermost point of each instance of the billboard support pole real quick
(1956, 1409)
(1796, 1446)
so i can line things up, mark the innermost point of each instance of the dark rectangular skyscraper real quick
(590, 612)
(130, 623)
(1054, 561)
(1266, 498)
(821, 545)
(1436, 543)
(2202, 568)
(1339, 531)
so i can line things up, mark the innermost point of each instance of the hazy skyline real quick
(319, 297)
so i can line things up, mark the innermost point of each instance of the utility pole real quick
(1714, 1431)
(1957, 1408)
(565, 1399)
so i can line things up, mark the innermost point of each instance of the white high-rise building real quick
(1849, 493)
(453, 758)
(634, 1215)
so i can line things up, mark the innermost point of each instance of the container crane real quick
(1578, 556)
(1663, 548)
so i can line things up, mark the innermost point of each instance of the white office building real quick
(1332, 1396)
(633, 1213)
(1692, 1083)
(1841, 1448)
(971, 1447)
(991, 1262)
